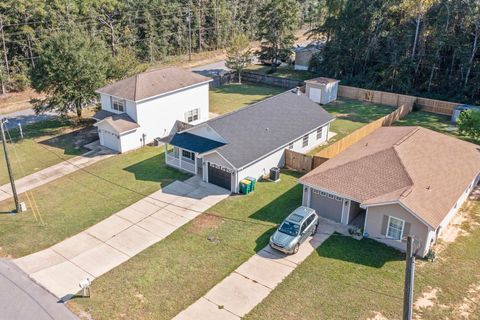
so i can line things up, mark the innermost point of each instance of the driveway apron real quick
(121, 236)
(253, 281)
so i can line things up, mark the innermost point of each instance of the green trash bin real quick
(245, 186)
(253, 182)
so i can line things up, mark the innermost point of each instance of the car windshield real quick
(289, 228)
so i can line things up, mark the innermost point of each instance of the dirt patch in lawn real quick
(469, 303)
(427, 300)
(205, 222)
(377, 316)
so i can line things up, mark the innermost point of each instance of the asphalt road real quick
(21, 298)
(24, 117)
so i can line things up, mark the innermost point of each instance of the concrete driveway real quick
(116, 239)
(21, 298)
(253, 281)
(56, 171)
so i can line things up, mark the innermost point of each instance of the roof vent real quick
(428, 188)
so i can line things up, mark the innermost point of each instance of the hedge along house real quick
(136, 110)
(397, 181)
(249, 141)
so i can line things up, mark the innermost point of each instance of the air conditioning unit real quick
(274, 174)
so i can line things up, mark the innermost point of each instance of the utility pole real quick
(9, 168)
(409, 280)
(189, 19)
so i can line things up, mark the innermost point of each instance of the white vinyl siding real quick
(395, 228)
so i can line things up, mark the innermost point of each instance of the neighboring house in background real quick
(249, 141)
(322, 90)
(136, 110)
(397, 181)
(303, 56)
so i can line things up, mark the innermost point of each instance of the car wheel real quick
(295, 250)
(314, 229)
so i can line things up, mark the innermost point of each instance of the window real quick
(290, 146)
(192, 115)
(305, 141)
(310, 219)
(315, 191)
(304, 227)
(395, 228)
(188, 155)
(338, 198)
(319, 133)
(331, 196)
(323, 194)
(118, 104)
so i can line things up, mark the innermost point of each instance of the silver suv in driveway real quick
(294, 230)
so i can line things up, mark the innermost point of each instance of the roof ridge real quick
(414, 130)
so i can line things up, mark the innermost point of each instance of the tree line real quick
(147, 30)
(423, 47)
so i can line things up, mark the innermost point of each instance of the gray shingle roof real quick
(120, 122)
(255, 131)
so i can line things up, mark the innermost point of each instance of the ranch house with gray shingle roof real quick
(250, 141)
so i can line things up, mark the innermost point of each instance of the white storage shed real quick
(322, 90)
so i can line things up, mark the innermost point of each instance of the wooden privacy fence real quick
(304, 163)
(396, 100)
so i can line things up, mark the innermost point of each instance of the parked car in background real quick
(294, 230)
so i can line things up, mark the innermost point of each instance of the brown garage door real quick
(326, 206)
(219, 176)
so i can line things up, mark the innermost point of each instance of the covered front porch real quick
(183, 159)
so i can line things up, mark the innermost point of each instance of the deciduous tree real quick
(239, 54)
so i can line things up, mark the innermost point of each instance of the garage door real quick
(326, 205)
(315, 94)
(109, 140)
(219, 176)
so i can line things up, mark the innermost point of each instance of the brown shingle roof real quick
(119, 122)
(153, 83)
(423, 170)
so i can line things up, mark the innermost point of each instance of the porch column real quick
(196, 169)
(166, 151)
(180, 157)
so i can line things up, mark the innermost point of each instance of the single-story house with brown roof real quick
(397, 181)
(136, 110)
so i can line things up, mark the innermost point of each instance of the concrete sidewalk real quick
(21, 298)
(116, 239)
(56, 171)
(253, 281)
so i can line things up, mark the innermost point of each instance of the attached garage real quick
(219, 176)
(109, 139)
(326, 205)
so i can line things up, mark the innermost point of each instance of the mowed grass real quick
(44, 145)
(79, 200)
(351, 115)
(232, 96)
(350, 279)
(282, 72)
(436, 122)
(166, 278)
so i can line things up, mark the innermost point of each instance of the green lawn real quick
(164, 279)
(77, 201)
(233, 96)
(43, 140)
(350, 279)
(351, 115)
(282, 72)
(435, 122)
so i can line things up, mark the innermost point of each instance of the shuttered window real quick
(395, 228)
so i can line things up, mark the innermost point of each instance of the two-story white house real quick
(136, 110)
